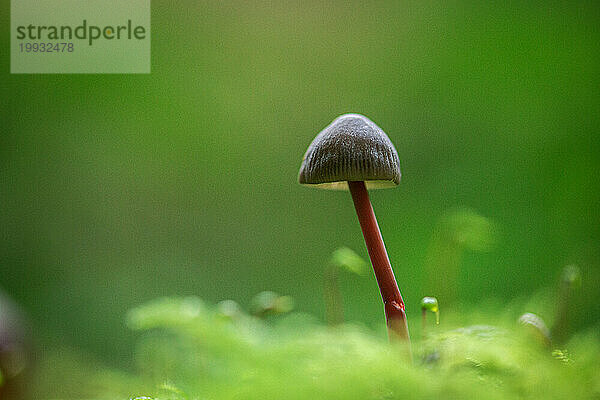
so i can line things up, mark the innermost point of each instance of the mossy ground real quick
(190, 350)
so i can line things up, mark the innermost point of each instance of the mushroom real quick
(353, 153)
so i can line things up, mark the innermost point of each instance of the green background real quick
(102, 56)
(116, 189)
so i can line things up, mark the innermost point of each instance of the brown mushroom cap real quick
(351, 148)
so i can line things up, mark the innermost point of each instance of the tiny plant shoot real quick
(429, 304)
(537, 328)
(270, 303)
(569, 281)
(343, 259)
(456, 231)
(353, 153)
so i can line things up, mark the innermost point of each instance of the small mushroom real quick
(354, 154)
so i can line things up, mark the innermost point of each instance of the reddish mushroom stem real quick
(392, 299)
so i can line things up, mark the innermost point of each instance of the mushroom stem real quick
(392, 300)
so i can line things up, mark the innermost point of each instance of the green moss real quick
(190, 350)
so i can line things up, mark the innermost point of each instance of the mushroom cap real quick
(351, 148)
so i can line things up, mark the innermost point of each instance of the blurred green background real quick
(116, 189)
